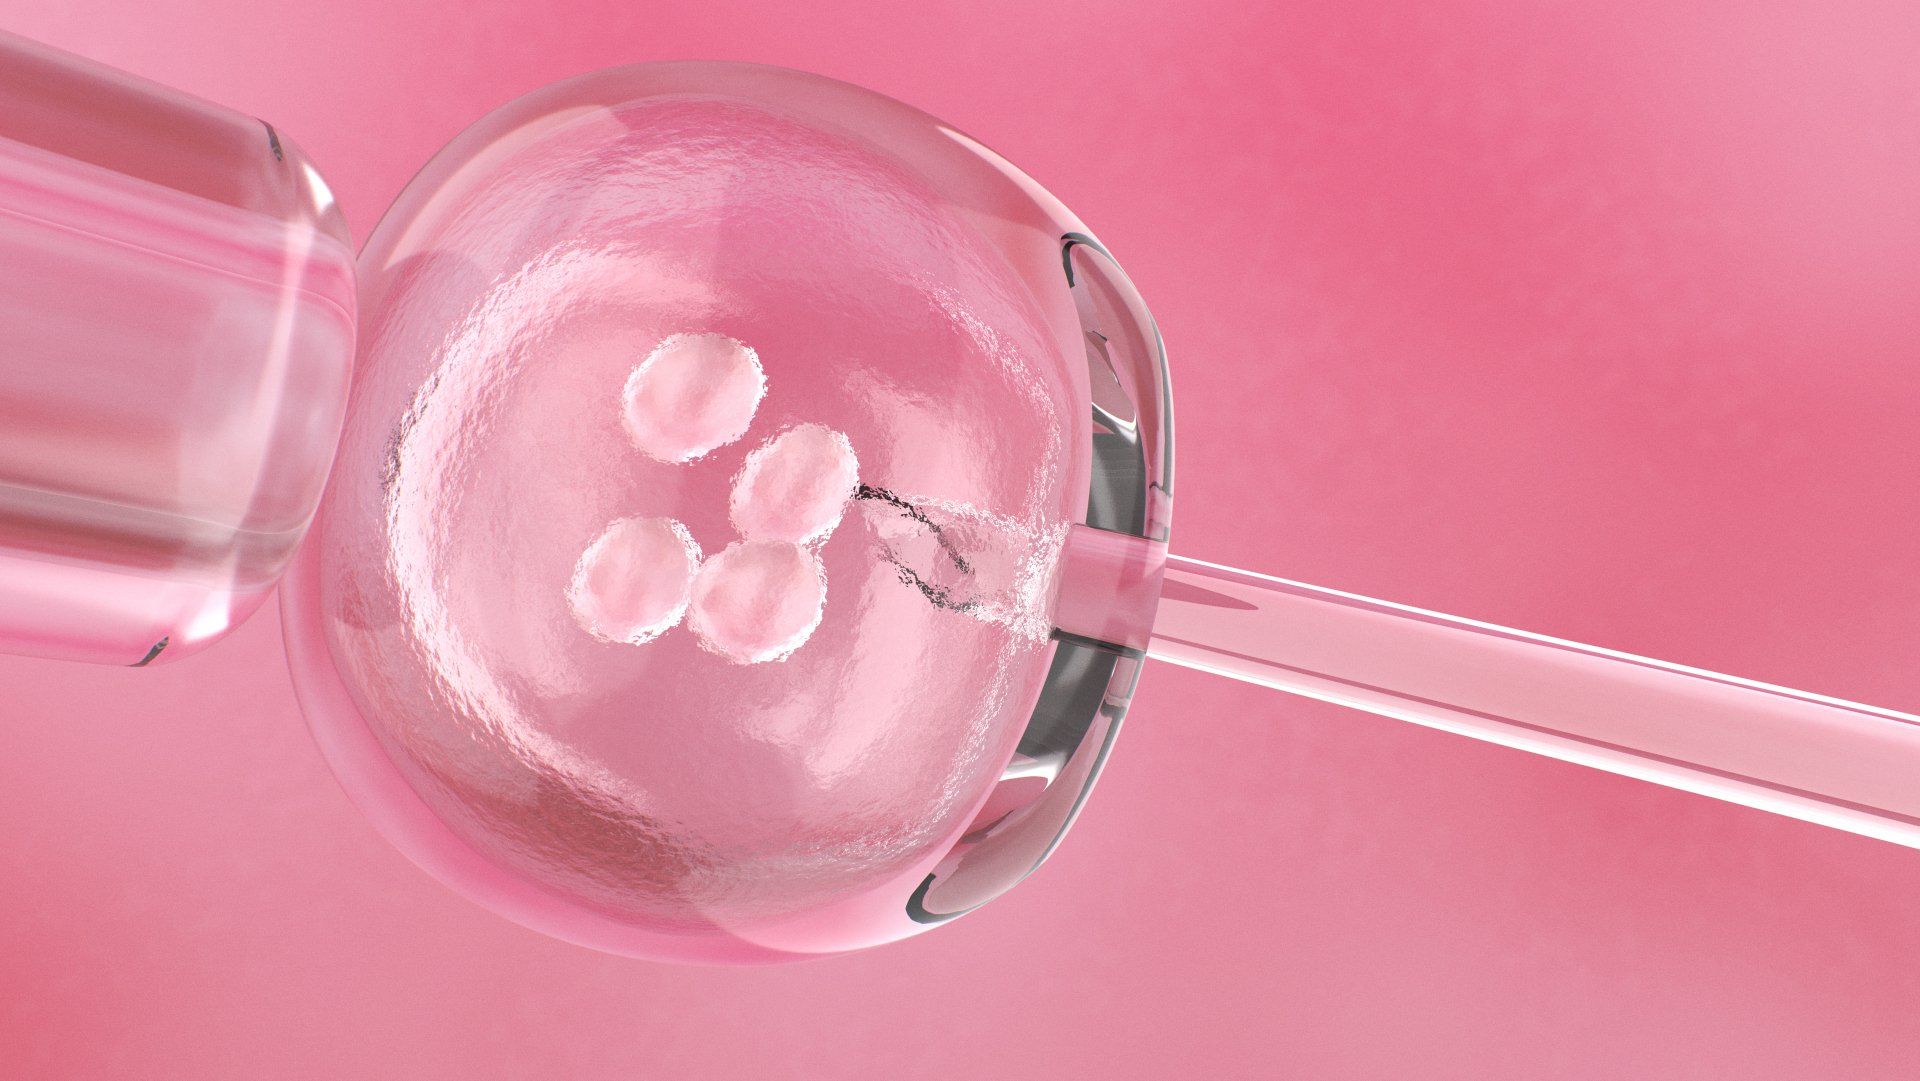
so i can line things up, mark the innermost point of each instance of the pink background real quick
(1597, 319)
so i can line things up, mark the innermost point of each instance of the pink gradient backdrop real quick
(1597, 319)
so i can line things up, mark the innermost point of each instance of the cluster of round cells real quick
(760, 598)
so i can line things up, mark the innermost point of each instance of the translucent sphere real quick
(898, 285)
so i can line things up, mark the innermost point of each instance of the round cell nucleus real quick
(758, 601)
(796, 487)
(692, 393)
(634, 580)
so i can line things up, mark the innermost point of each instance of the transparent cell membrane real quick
(819, 337)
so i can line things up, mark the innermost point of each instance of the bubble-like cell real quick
(758, 601)
(900, 284)
(796, 487)
(634, 581)
(692, 394)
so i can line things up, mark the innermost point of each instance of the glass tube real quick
(177, 320)
(1820, 759)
